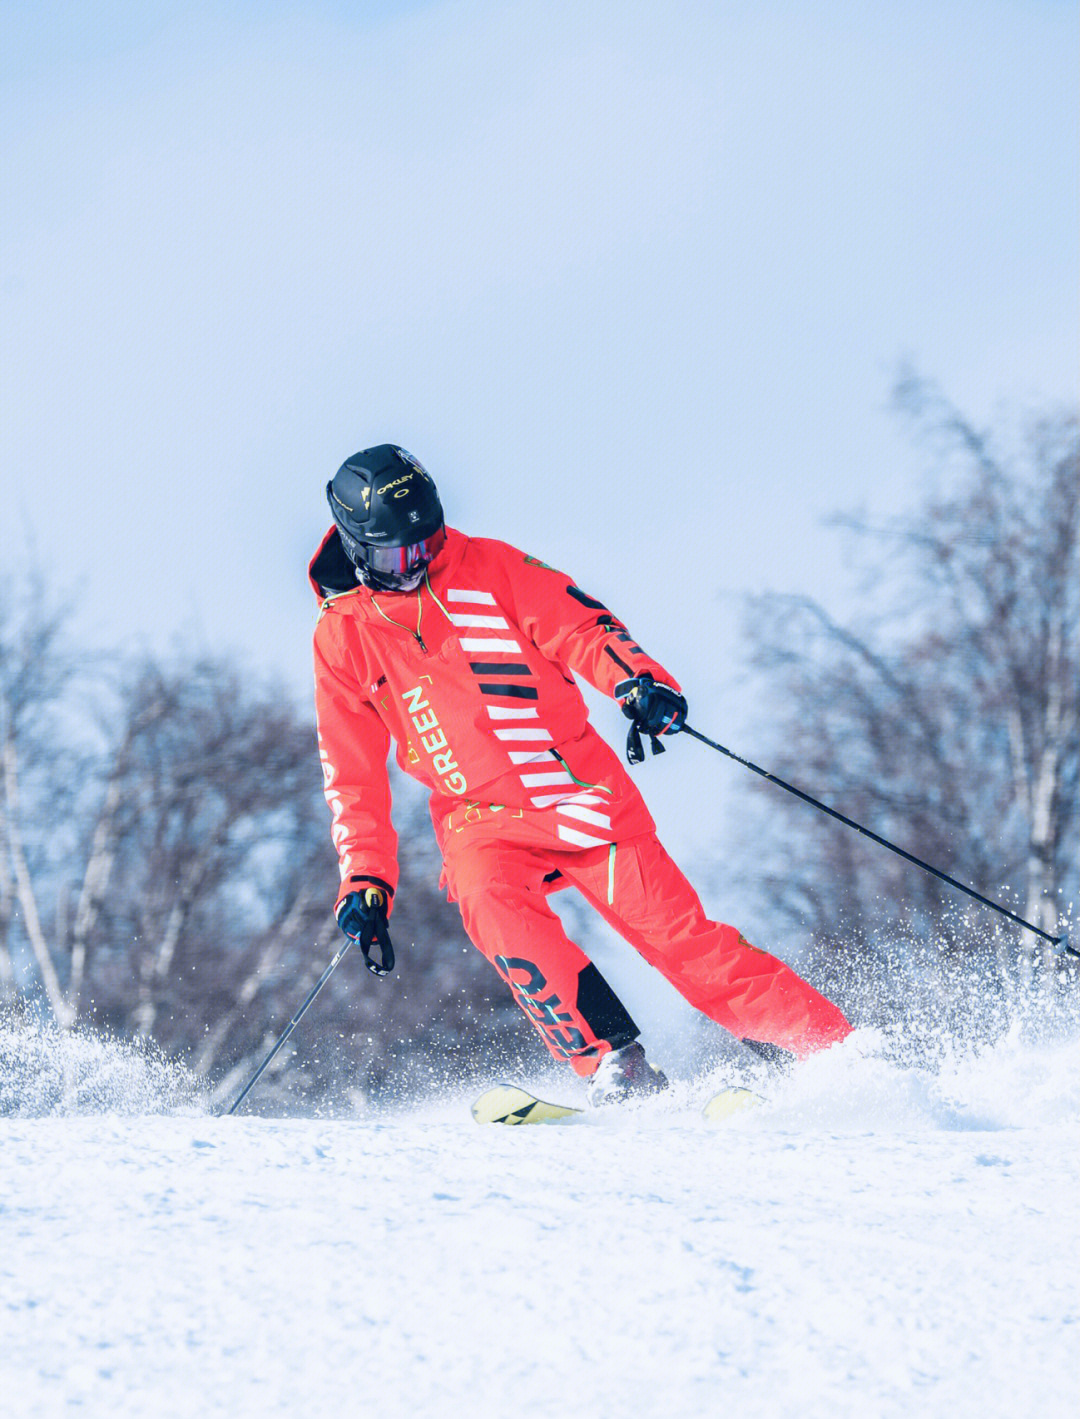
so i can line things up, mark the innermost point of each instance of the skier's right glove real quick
(656, 708)
(363, 917)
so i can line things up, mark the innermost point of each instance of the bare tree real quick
(222, 892)
(36, 669)
(944, 716)
(166, 874)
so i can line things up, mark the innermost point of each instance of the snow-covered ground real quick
(878, 1241)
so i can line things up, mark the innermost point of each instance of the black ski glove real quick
(656, 708)
(362, 916)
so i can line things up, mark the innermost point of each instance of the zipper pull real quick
(419, 619)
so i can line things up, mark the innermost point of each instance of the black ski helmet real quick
(388, 516)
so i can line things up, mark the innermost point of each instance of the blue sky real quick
(632, 280)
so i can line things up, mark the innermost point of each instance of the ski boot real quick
(778, 1059)
(624, 1074)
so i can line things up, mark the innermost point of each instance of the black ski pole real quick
(290, 1027)
(1057, 941)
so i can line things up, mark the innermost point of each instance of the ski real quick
(730, 1101)
(506, 1103)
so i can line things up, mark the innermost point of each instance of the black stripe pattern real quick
(515, 692)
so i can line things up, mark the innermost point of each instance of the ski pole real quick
(1057, 941)
(290, 1027)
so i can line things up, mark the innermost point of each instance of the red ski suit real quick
(471, 676)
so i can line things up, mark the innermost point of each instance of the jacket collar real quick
(332, 574)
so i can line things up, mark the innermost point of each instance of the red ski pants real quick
(502, 889)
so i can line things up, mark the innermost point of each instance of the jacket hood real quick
(330, 571)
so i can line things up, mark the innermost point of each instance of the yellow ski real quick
(730, 1101)
(506, 1103)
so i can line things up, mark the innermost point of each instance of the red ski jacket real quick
(470, 675)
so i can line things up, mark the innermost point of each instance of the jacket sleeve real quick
(353, 745)
(573, 628)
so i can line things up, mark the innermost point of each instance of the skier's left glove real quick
(363, 917)
(657, 709)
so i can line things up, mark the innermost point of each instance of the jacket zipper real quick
(415, 633)
(419, 619)
(419, 609)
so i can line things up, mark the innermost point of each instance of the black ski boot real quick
(624, 1074)
(776, 1057)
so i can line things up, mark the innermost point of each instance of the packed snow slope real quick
(877, 1241)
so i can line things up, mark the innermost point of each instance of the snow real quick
(876, 1241)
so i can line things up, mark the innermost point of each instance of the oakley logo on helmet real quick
(394, 483)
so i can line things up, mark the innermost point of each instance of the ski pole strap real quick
(362, 916)
(635, 696)
(635, 751)
(1057, 941)
(380, 933)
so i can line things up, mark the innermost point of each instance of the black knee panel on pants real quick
(603, 1009)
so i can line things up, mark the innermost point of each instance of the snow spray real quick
(49, 1072)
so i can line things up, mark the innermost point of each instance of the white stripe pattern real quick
(545, 800)
(569, 801)
(478, 598)
(472, 618)
(584, 815)
(474, 643)
(579, 839)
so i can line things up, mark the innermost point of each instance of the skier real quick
(461, 649)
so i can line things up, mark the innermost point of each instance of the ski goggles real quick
(399, 561)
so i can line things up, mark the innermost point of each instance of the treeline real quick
(166, 874)
(166, 871)
(943, 715)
